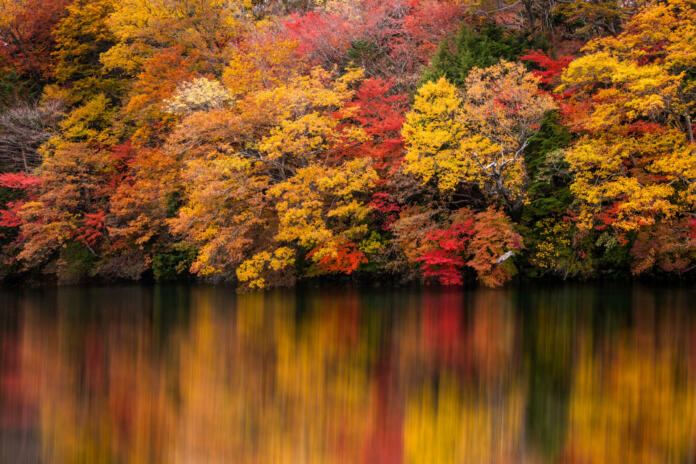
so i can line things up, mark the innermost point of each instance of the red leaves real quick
(122, 154)
(692, 228)
(444, 266)
(639, 128)
(27, 41)
(92, 229)
(426, 24)
(19, 181)
(381, 203)
(401, 35)
(324, 37)
(27, 183)
(9, 217)
(381, 115)
(482, 241)
(344, 258)
(552, 68)
(445, 260)
(607, 217)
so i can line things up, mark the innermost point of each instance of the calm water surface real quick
(567, 374)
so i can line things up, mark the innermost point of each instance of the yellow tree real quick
(260, 181)
(478, 137)
(142, 27)
(631, 100)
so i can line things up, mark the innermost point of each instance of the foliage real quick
(26, 35)
(389, 39)
(172, 264)
(634, 162)
(476, 47)
(81, 37)
(479, 138)
(265, 142)
(198, 95)
(143, 27)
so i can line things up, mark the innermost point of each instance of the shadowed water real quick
(567, 374)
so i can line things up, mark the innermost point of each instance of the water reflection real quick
(572, 374)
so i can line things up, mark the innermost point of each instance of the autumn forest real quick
(266, 142)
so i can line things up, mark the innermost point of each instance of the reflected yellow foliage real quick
(205, 375)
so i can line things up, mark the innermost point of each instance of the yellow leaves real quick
(262, 64)
(635, 204)
(8, 10)
(89, 122)
(307, 200)
(252, 270)
(223, 211)
(346, 180)
(504, 103)
(198, 95)
(260, 174)
(432, 130)
(300, 137)
(479, 138)
(305, 93)
(634, 91)
(634, 165)
(143, 26)
(555, 237)
(348, 80)
(660, 32)
(591, 158)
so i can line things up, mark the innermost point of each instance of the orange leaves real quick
(342, 257)
(92, 229)
(667, 247)
(26, 34)
(494, 242)
(263, 60)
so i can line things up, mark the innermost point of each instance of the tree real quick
(630, 99)
(665, 247)
(26, 35)
(263, 58)
(380, 114)
(23, 129)
(259, 178)
(70, 205)
(596, 17)
(479, 138)
(483, 241)
(203, 28)
(16, 189)
(475, 47)
(388, 39)
(81, 37)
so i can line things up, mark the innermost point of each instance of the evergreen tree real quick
(477, 47)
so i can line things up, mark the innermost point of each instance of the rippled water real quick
(568, 374)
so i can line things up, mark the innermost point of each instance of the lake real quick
(200, 374)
